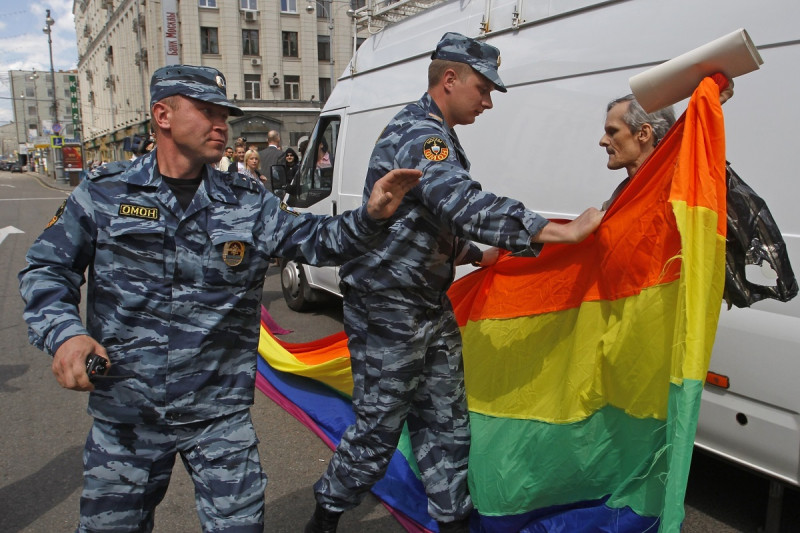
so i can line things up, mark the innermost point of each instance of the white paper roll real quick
(676, 79)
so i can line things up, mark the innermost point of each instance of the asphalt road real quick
(44, 426)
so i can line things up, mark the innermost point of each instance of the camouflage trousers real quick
(407, 367)
(127, 469)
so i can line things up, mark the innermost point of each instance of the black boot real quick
(459, 526)
(323, 521)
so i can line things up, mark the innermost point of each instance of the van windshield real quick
(314, 182)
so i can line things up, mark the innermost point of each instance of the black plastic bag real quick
(753, 238)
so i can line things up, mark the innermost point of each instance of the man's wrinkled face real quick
(622, 146)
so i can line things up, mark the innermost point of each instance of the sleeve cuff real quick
(61, 334)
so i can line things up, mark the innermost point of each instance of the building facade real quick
(280, 59)
(34, 115)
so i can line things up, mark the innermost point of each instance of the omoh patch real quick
(435, 149)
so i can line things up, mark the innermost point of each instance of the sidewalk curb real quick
(48, 182)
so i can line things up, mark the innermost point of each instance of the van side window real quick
(314, 182)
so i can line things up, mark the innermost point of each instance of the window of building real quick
(324, 89)
(355, 4)
(290, 48)
(291, 87)
(49, 92)
(289, 6)
(360, 41)
(209, 40)
(248, 5)
(252, 86)
(324, 9)
(67, 93)
(29, 92)
(207, 3)
(31, 109)
(250, 42)
(324, 47)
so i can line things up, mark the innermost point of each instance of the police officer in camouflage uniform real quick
(176, 253)
(405, 345)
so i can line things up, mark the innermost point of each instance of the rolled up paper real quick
(672, 81)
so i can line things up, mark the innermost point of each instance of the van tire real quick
(296, 291)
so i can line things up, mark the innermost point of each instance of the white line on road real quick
(8, 230)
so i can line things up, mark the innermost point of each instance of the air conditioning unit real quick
(251, 16)
(275, 81)
(255, 61)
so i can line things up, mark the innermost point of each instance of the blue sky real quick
(23, 45)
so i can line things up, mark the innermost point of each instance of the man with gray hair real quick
(631, 134)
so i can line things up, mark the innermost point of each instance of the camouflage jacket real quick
(432, 229)
(172, 295)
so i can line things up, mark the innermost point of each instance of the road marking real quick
(8, 230)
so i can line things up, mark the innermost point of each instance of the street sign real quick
(56, 128)
(56, 141)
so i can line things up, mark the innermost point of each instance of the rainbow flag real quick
(584, 366)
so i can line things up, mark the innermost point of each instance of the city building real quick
(280, 59)
(8, 142)
(32, 100)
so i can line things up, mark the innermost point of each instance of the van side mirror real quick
(278, 179)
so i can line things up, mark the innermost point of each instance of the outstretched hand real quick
(573, 231)
(388, 192)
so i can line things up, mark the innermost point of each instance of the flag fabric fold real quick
(584, 366)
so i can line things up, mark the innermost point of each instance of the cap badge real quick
(435, 149)
(220, 82)
(233, 253)
(498, 60)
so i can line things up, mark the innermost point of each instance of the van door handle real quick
(333, 207)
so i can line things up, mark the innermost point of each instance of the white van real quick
(563, 62)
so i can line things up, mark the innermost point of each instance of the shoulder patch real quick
(59, 212)
(289, 210)
(435, 149)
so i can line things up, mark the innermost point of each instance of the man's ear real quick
(161, 115)
(645, 135)
(449, 78)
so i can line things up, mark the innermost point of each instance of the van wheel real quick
(295, 288)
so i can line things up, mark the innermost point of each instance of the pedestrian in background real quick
(270, 154)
